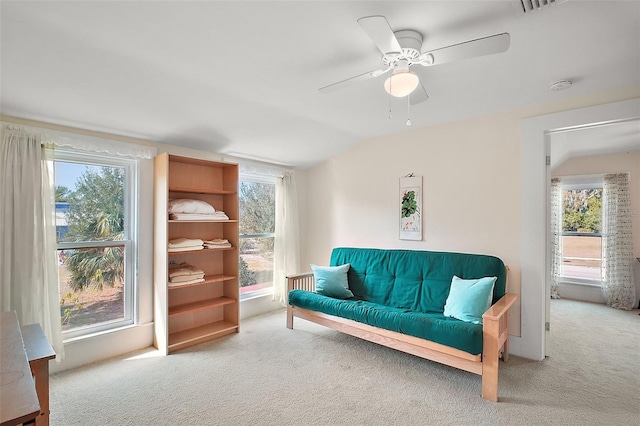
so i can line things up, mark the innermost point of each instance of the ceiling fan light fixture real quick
(401, 83)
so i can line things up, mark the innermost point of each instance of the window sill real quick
(582, 282)
(90, 335)
(257, 294)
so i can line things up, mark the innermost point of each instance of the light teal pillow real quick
(332, 280)
(469, 299)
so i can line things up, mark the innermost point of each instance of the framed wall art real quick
(411, 207)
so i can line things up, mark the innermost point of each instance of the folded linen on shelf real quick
(185, 278)
(187, 205)
(178, 249)
(217, 246)
(183, 269)
(199, 216)
(217, 243)
(194, 281)
(184, 242)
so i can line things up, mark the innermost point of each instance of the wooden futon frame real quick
(495, 332)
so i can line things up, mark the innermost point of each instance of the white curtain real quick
(617, 242)
(28, 256)
(286, 256)
(555, 220)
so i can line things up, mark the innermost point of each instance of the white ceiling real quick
(596, 139)
(241, 78)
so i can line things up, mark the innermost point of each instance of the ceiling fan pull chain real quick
(389, 102)
(408, 110)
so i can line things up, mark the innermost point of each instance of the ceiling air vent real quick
(527, 6)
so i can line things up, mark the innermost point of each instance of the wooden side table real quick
(39, 352)
(18, 398)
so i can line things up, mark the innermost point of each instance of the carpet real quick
(270, 375)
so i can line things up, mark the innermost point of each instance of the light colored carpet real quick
(270, 375)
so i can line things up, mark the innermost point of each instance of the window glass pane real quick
(257, 224)
(581, 240)
(89, 202)
(91, 286)
(256, 264)
(582, 210)
(581, 257)
(257, 207)
(94, 279)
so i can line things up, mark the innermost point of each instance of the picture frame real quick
(410, 210)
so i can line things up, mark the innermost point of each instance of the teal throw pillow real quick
(469, 299)
(332, 281)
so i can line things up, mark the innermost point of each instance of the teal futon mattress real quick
(430, 326)
(405, 291)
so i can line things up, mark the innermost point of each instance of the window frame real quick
(256, 178)
(578, 183)
(130, 240)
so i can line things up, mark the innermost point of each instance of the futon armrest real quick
(302, 281)
(502, 306)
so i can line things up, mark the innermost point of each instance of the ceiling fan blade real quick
(381, 33)
(497, 43)
(349, 81)
(419, 95)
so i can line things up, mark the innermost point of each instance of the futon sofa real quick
(447, 307)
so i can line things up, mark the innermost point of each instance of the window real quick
(257, 227)
(581, 231)
(95, 225)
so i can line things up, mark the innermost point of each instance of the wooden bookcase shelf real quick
(208, 279)
(201, 191)
(202, 221)
(200, 304)
(192, 336)
(206, 250)
(192, 313)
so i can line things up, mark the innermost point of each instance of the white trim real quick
(582, 181)
(580, 281)
(73, 142)
(258, 178)
(256, 169)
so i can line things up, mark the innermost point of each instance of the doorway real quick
(536, 143)
(580, 157)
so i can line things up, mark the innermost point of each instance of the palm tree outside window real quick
(95, 228)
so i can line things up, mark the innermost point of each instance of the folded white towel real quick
(177, 249)
(194, 281)
(184, 242)
(183, 269)
(185, 278)
(217, 246)
(195, 216)
(216, 241)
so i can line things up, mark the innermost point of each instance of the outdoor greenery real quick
(257, 216)
(96, 213)
(62, 193)
(257, 208)
(247, 276)
(582, 210)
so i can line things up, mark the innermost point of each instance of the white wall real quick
(471, 187)
(472, 179)
(601, 164)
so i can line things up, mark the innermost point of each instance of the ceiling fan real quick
(402, 49)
